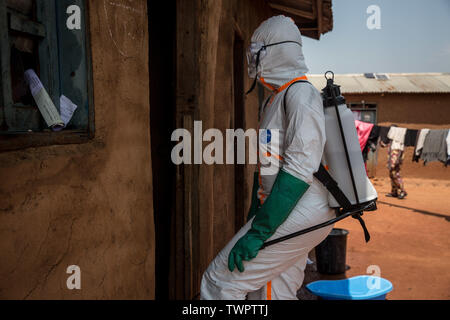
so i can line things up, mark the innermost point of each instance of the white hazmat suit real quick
(277, 272)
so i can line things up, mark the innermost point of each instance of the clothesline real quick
(429, 145)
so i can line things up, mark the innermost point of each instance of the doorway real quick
(162, 24)
(239, 123)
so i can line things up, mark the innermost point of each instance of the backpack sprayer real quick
(342, 170)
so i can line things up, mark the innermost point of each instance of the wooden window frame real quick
(50, 75)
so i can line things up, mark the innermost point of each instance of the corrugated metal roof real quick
(397, 83)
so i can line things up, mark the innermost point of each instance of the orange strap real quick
(284, 86)
(269, 290)
(291, 82)
(270, 87)
(270, 154)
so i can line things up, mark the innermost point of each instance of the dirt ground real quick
(410, 240)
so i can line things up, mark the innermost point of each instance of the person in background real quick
(395, 160)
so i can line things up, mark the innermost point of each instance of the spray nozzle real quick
(332, 92)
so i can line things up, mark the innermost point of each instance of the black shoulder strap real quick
(332, 186)
(287, 90)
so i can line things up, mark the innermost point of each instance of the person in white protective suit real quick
(287, 199)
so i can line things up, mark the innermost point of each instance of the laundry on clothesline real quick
(448, 148)
(372, 142)
(384, 134)
(411, 137)
(435, 147)
(419, 144)
(364, 129)
(429, 148)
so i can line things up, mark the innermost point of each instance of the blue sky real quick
(414, 37)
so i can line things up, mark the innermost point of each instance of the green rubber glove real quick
(286, 192)
(255, 202)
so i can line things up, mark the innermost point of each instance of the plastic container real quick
(357, 288)
(335, 157)
(331, 253)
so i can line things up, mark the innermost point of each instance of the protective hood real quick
(279, 63)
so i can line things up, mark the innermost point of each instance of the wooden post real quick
(197, 36)
(319, 4)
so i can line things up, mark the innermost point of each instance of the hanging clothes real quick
(397, 135)
(364, 129)
(372, 142)
(384, 135)
(411, 137)
(448, 148)
(419, 144)
(435, 146)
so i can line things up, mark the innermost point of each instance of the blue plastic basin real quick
(357, 288)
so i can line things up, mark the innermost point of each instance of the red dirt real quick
(411, 247)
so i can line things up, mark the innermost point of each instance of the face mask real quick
(255, 53)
